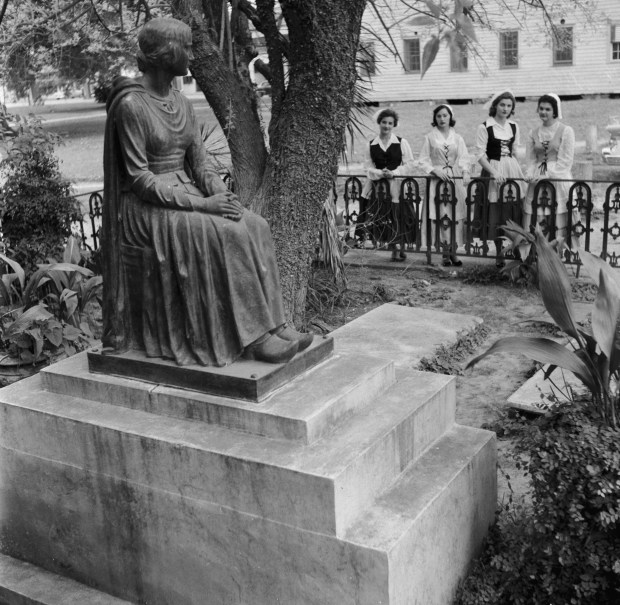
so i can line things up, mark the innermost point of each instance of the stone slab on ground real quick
(402, 334)
(25, 584)
(385, 502)
(537, 394)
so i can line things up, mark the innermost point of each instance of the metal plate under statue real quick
(189, 274)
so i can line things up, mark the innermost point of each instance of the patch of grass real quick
(448, 359)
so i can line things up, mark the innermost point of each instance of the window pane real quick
(563, 47)
(615, 51)
(458, 59)
(412, 55)
(509, 49)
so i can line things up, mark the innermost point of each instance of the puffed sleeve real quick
(482, 138)
(408, 162)
(372, 172)
(132, 121)
(462, 154)
(424, 159)
(566, 152)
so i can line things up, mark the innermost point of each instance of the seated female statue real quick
(189, 274)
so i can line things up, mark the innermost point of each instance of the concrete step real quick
(402, 334)
(296, 412)
(321, 486)
(25, 584)
(431, 521)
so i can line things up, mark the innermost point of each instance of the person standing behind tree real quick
(387, 156)
(496, 140)
(550, 149)
(444, 155)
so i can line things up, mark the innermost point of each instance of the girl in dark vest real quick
(387, 156)
(497, 140)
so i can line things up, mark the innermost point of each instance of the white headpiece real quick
(559, 103)
(446, 106)
(499, 93)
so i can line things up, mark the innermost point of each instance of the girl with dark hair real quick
(550, 149)
(189, 274)
(496, 140)
(387, 157)
(444, 155)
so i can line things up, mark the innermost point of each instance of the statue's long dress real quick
(214, 288)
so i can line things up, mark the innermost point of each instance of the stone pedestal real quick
(350, 484)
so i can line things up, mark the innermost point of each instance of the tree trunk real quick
(232, 99)
(309, 117)
(309, 135)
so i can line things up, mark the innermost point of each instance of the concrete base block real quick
(366, 495)
(25, 584)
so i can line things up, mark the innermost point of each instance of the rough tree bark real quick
(311, 101)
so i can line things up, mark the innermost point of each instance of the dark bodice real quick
(496, 148)
(391, 158)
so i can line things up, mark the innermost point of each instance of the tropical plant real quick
(47, 313)
(593, 354)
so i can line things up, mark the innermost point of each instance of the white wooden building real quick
(517, 54)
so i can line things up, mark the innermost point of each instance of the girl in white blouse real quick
(444, 155)
(550, 149)
(387, 156)
(496, 141)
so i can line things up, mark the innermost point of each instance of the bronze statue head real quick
(162, 42)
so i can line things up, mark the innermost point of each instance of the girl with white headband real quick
(444, 156)
(387, 157)
(497, 139)
(550, 149)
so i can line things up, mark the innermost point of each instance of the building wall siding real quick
(593, 71)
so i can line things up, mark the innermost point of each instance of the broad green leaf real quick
(17, 269)
(594, 265)
(434, 8)
(37, 339)
(27, 318)
(554, 285)
(31, 288)
(429, 54)
(605, 315)
(71, 333)
(70, 268)
(5, 295)
(542, 350)
(70, 300)
(71, 253)
(52, 330)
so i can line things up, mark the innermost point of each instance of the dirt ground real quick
(474, 289)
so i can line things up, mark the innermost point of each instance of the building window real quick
(615, 42)
(412, 55)
(187, 79)
(366, 62)
(509, 50)
(563, 46)
(458, 58)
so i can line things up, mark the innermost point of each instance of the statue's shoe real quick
(303, 339)
(271, 350)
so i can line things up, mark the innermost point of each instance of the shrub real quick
(564, 548)
(35, 201)
(595, 355)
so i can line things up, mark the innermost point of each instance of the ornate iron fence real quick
(86, 224)
(592, 215)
